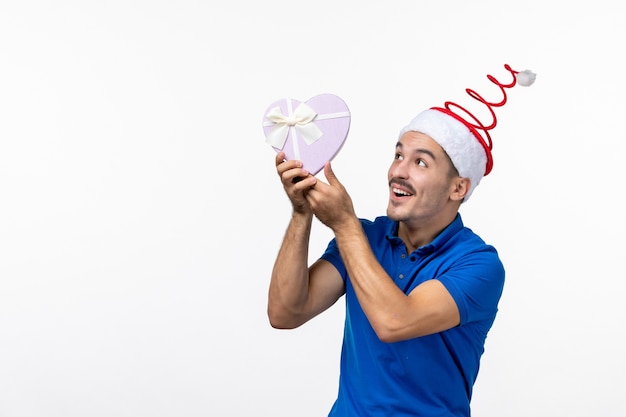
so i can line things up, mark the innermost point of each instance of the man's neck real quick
(417, 235)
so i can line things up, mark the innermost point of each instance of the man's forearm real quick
(381, 300)
(289, 284)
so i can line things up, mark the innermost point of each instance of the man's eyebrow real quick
(420, 150)
(427, 152)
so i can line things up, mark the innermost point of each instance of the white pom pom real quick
(526, 78)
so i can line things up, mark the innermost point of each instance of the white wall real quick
(140, 212)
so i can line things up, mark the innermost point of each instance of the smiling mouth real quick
(400, 193)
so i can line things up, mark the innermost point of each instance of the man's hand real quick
(296, 181)
(330, 202)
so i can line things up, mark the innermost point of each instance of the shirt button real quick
(403, 256)
(401, 276)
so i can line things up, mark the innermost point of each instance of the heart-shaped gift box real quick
(313, 131)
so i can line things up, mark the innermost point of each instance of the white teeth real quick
(397, 191)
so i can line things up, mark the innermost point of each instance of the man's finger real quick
(330, 175)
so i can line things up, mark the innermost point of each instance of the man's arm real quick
(298, 293)
(394, 316)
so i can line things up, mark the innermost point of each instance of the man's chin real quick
(392, 212)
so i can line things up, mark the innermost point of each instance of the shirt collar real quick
(450, 230)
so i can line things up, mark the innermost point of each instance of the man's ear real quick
(460, 188)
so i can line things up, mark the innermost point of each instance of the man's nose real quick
(399, 169)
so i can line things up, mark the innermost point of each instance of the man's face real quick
(420, 179)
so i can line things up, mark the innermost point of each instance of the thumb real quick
(330, 175)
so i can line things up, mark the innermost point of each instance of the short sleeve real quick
(475, 282)
(333, 256)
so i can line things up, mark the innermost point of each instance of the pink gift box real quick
(313, 131)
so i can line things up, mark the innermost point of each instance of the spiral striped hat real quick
(462, 135)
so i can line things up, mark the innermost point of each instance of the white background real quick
(140, 211)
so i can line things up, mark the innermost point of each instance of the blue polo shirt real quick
(427, 376)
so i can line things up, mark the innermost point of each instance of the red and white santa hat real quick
(469, 150)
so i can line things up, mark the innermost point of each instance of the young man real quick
(421, 289)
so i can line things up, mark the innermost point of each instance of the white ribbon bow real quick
(301, 120)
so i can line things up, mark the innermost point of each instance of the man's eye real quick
(421, 162)
(398, 156)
